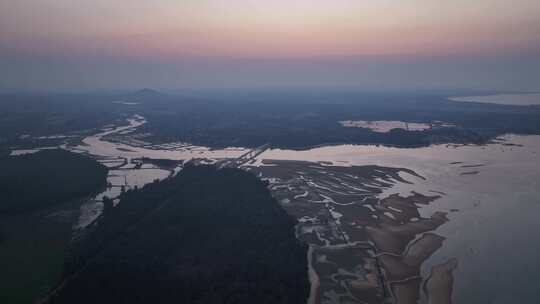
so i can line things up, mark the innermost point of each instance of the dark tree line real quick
(204, 236)
(33, 181)
(300, 121)
(283, 118)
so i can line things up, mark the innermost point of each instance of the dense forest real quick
(33, 181)
(301, 120)
(49, 114)
(40, 198)
(286, 119)
(204, 236)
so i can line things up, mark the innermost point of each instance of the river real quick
(492, 197)
(491, 194)
(121, 157)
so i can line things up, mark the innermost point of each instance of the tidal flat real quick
(436, 233)
(383, 224)
(365, 248)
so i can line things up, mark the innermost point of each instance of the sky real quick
(175, 44)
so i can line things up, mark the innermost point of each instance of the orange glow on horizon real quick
(245, 28)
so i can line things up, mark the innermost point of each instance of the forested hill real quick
(204, 236)
(38, 180)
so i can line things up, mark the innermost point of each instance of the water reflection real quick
(506, 99)
(384, 126)
(116, 148)
(20, 152)
(97, 145)
(492, 214)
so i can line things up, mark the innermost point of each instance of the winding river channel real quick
(490, 195)
(121, 158)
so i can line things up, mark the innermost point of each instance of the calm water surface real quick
(506, 99)
(96, 145)
(491, 194)
(114, 154)
(492, 197)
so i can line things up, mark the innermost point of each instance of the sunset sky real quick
(69, 44)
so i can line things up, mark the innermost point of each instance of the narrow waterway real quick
(121, 157)
(491, 195)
